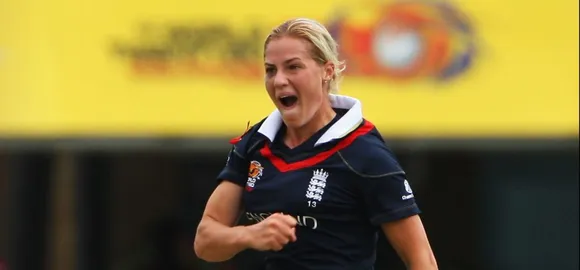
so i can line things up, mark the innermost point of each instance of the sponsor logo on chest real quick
(255, 172)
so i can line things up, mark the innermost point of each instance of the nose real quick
(280, 80)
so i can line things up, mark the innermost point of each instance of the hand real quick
(272, 233)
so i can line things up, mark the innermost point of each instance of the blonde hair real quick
(324, 49)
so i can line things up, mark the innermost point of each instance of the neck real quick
(297, 136)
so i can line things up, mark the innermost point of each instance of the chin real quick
(293, 120)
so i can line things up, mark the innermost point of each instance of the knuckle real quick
(273, 224)
(290, 220)
(269, 232)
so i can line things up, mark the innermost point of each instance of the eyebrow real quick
(285, 62)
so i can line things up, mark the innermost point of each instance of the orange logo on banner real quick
(408, 39)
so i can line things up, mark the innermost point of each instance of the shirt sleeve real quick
(388, 197)
(236, 169)
(383, 189)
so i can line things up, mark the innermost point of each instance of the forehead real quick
(284, 48)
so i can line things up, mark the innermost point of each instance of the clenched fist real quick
(272, 233)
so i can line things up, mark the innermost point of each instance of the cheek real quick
(314, 97)
(268, 83)
(309, 82)
(315, 90)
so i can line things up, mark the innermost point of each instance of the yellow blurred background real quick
(61, 73)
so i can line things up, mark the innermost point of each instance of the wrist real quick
(244, 237)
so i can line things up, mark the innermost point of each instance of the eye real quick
(293, 67)
(270, 70)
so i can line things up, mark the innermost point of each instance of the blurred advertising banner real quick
(192, 68)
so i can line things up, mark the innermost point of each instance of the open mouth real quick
(288, 101)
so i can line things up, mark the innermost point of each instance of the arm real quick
(216, 238)
(390, 204)
(408, 238)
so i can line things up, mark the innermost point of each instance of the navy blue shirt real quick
(340, 188)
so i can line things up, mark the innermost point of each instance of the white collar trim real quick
(342, 127)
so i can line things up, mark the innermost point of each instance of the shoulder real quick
(369, 156)
(244, 143)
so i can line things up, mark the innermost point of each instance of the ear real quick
(328, 71)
